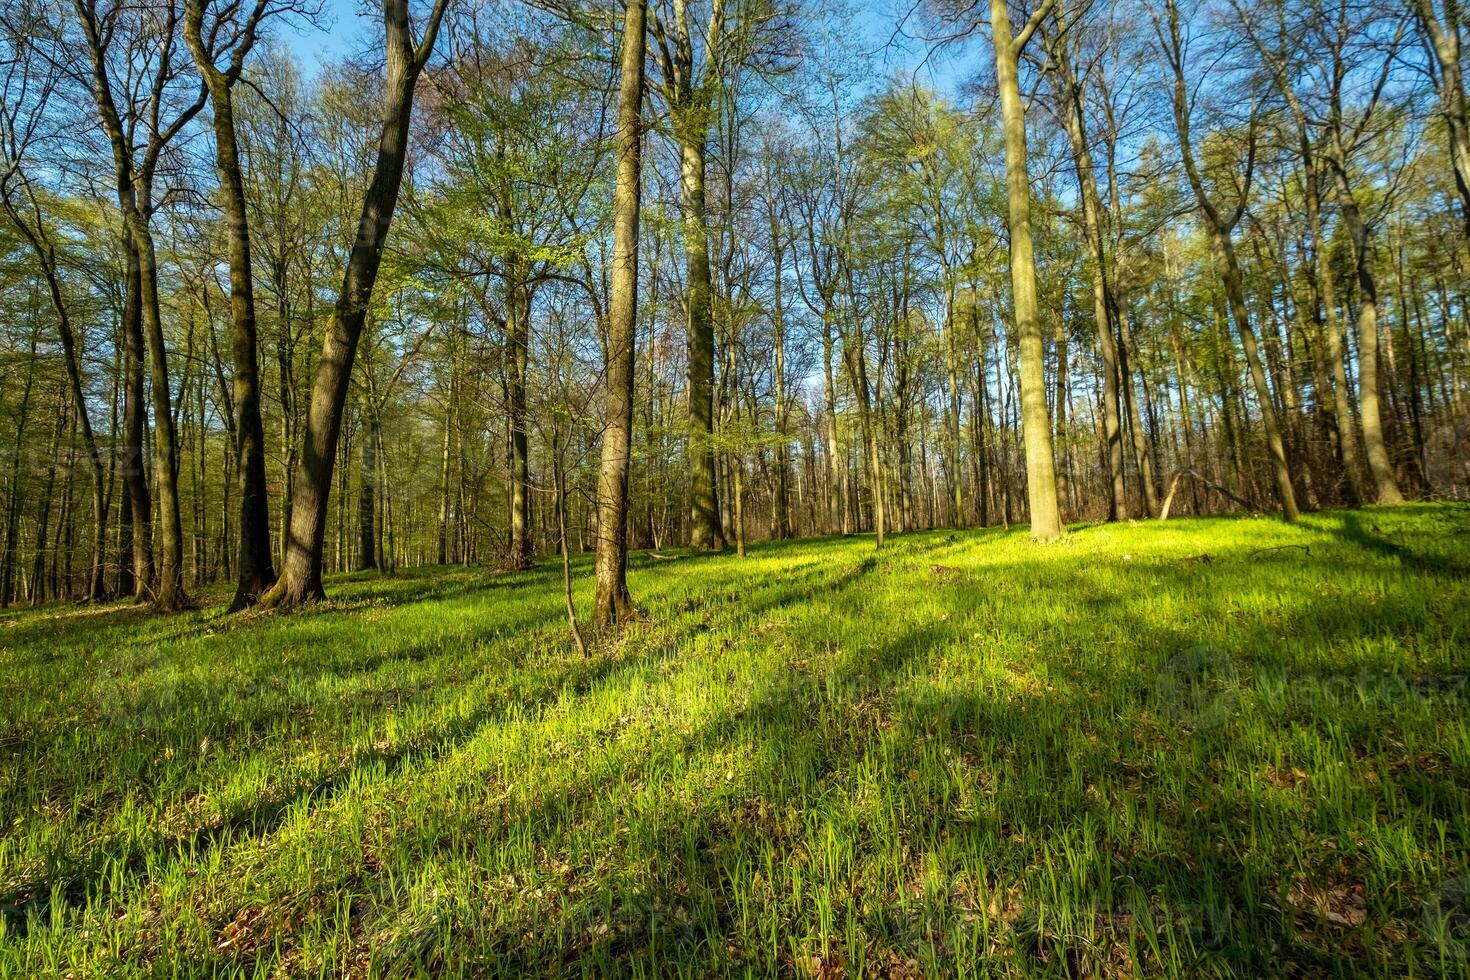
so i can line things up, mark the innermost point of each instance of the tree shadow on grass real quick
(986, 782)
(75, 882)
(1370, 537)
(1052, 764)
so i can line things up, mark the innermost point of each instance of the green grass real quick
(1208, 747)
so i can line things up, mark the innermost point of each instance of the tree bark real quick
(1041, 480)
(613, 604)
(255, 569)
(1369, 412)
(301, 570)
(517, 326)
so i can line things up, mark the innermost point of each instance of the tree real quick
(232, 34)
(613, 603)
(146, 30)
(1068, 91)
(301, 571)
(1441, 24)
(1220, 223)
(23, 128)
(1041, 479)
(691, 102)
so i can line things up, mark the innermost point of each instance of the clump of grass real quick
(1204, 747)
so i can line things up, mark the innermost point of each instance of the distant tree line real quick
(531, 276)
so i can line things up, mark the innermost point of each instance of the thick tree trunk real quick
(705, 530)
(613, 604)
(1041, 480)
(301, 570)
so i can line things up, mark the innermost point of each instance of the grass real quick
(1220, 747)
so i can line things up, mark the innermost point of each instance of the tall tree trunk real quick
(367, 500)
(1369, 412)
(517, 326)
(1041, 479)
(444, 463)
(17, 491)
(34, 231)
(1235, 298)
(135, 422)
(613, 603)
(838, 519)
(705, 530)
(781, 508)
(169, 595)
(254, 567)
(43, 515)
(301, 571)
(1074, 120)
(1219, 226)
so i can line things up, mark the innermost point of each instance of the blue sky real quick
(343, 30)
(347, 24)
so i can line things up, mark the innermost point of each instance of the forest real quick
(734, 487)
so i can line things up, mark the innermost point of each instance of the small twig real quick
(1280, 547)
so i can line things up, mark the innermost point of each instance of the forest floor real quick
(1205, 747)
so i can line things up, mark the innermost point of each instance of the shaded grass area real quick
(1210, 747)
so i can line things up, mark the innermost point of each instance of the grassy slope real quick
(965, 753)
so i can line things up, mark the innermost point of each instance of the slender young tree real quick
(23, 97)
(1220, 224)
(230, 38)
(1068, 88)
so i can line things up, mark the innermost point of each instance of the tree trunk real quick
(135, 421)
(367, 500)
(517, 326)
(1369, 412)
(614, 605)
(1444, 40)
(1074, 121)
(254, 566)
(1041, 480)
(301, 571)
(169, 594)
(705, 530)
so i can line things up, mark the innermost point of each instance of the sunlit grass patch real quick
(1224, 747)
